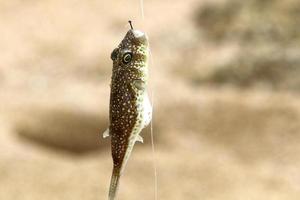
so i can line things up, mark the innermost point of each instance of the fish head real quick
(132, 52)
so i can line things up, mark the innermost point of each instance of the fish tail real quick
(114, 183)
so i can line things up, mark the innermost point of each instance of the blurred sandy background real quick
(226, 82)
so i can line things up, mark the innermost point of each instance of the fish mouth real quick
(139, 36)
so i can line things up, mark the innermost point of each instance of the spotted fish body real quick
(130, 110)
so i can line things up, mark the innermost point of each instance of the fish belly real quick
(147, 111)
(143, 119)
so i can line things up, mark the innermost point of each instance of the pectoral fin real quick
(106, 133)
(139, 84)
(139, 139)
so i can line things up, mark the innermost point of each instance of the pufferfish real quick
(130, 110)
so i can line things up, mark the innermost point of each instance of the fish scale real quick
(130, 110)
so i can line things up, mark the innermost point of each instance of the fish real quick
(130, 110)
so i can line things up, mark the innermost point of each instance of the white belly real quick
(146, 116)
(147, 111)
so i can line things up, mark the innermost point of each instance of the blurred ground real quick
(225, 77)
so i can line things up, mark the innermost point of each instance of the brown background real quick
(225, 80)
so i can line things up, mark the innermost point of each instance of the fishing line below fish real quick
(151, 123)
(153, 149)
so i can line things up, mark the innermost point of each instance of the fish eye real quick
(127, 57)
(114, 54)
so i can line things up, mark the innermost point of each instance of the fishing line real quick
(151, 130)
(151, 123)
(153, 149)
(142, 8)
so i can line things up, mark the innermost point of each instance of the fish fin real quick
(139, 139)
(114, 184)
(106, 133)
(139, 84)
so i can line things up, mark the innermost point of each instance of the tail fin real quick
(114, 183)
